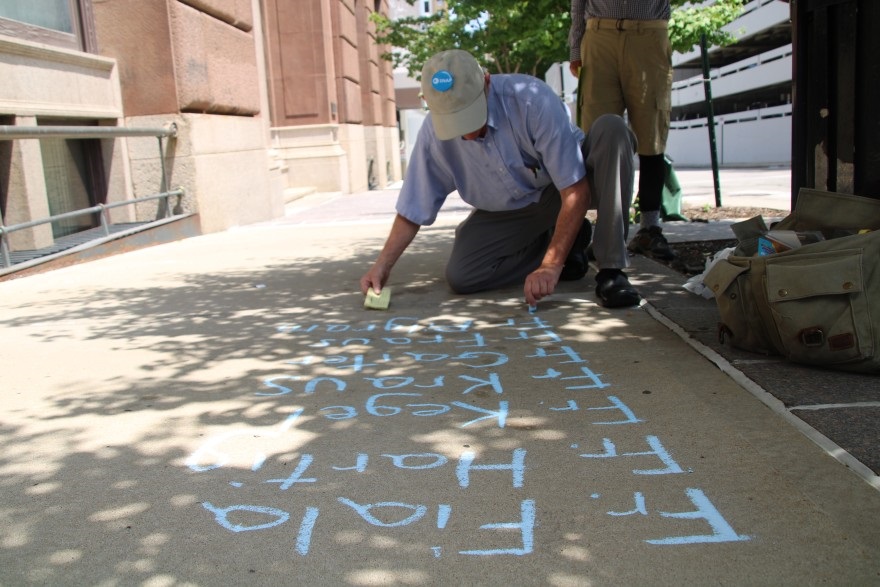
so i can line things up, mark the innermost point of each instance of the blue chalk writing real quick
(567, 351)
(434, 460)
(282, 390)
(365, 512)
(595, 381)
(495, 359)
(396, 361)
(326, 342)
(658, 451)
(526, 526)
(570, 406)
(545, 336)
(443, 513)
(721, 530)
(376, 410)
(610, 451)
(616, 404)
(427, 357)
(638, 509)
(434, 409)
(472, 340)
(211, 453)
(354, 362)
(493, 381)
(339, 412)
(500, 414)
(309, 388)
(516, 466)
(396, 324)
(396, 382)
(221, 515)
(438, 382)
(530, 322)
(477, 340)
(296, 477)
(373, 408)
(360, 464)
(304, 536)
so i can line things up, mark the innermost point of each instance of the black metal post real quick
(707, 87)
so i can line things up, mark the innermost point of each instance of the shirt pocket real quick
(532, 174)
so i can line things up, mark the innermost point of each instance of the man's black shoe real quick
(614, 290)
(576, 265)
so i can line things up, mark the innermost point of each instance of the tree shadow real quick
(167, 429)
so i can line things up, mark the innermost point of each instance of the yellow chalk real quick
(379, 301)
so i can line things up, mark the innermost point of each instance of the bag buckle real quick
(724, 332)
(812, 336)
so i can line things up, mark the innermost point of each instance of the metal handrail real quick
(100, 208)
(9, 133)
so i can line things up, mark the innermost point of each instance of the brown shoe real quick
(650, 242)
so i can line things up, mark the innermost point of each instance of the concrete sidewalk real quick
(222, 411)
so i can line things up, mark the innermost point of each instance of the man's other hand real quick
(541, 282)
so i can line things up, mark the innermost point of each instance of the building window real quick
(426, 7)
(63, 23)
(74, 176)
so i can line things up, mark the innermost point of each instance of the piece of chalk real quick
(378, 301)
(533, 309)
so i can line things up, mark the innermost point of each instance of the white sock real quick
(649, 219)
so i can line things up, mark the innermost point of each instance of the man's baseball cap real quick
(453, 85)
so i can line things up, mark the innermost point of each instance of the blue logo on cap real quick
(442, 81)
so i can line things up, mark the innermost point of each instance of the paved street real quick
(765, 188)
(222, 410)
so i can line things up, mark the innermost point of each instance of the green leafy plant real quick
(525, 36)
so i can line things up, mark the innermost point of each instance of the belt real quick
(622, 24)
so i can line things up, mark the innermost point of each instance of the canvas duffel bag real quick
(817, 304)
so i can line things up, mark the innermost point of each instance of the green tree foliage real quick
(689, 23)
(525, 36)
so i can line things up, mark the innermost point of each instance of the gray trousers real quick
(497, 249)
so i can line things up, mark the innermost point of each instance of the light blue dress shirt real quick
(530, 143)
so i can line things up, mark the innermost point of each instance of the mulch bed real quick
(691, 257)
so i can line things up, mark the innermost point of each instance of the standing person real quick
(621, 51)
(507, 144)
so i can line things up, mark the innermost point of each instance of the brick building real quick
(270, 98)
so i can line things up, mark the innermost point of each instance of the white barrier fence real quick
(755, 137)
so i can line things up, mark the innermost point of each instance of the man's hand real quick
(375, 278)
(575, 67)
(541, 282)
(402, 233)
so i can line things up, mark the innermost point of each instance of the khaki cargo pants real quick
(627, 66)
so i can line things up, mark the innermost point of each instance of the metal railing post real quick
(7, 260)
(105, 221)
(166, 212)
